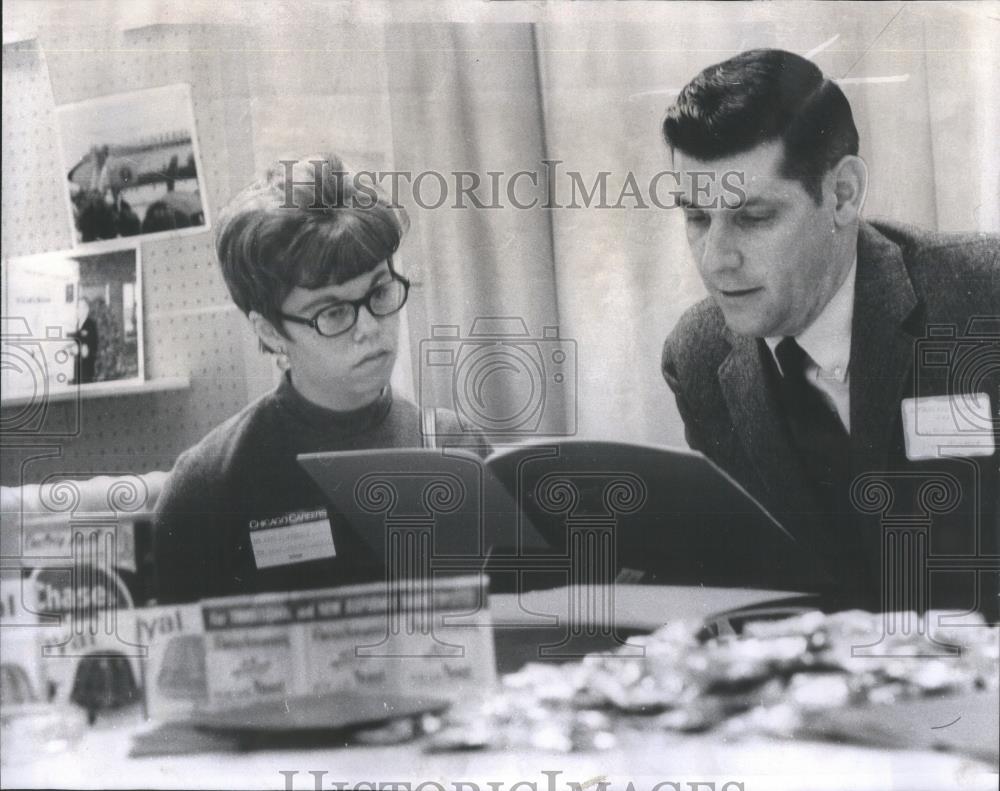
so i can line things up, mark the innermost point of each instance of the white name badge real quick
(291, 538)
(948, 426)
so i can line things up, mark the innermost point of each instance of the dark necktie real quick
(814, 428)
(822, 445)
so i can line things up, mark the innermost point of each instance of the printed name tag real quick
(291, 538)
(942, 426)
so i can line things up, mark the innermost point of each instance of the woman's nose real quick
(367, 323)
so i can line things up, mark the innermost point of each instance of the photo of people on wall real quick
(132, 165)
(82, 320)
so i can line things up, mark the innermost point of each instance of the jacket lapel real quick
(881, 347)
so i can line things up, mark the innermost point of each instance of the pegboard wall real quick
(190, 326)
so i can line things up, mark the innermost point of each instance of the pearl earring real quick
(282, 360)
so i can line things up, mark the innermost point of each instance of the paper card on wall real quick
(45, 540)
(140, 179)
(79, 322)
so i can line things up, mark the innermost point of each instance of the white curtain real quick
(920, 78)
(583, 84)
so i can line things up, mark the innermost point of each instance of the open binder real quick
(560, 513)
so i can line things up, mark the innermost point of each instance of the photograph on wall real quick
(132, 165)
(71, 321)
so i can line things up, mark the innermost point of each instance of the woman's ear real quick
(266, 333)
(850, 186)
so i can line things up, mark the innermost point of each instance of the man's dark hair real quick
(322, 226)
(761, 96)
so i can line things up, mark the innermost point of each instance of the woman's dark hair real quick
(761, 96)
(308, 222)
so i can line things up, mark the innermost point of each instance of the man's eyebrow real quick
(755, 201)
(758, 200)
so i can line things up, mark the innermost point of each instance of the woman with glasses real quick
(307, 255)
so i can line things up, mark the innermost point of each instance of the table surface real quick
(634, 606)
(643, 758)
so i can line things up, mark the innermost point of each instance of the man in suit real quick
(805, 373)
(87, 339)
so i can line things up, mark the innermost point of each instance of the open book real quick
(561, 513)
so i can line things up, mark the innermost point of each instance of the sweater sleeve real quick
(189, 532)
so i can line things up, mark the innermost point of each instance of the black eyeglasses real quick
(336, 319)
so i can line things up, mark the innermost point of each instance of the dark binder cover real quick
(564, 513)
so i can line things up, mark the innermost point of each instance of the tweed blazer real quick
(926, 322)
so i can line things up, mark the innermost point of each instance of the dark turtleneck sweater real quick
(244, 474)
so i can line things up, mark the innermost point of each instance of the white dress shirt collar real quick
(828, 339)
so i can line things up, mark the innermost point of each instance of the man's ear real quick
(266, 332)
(850, 186)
